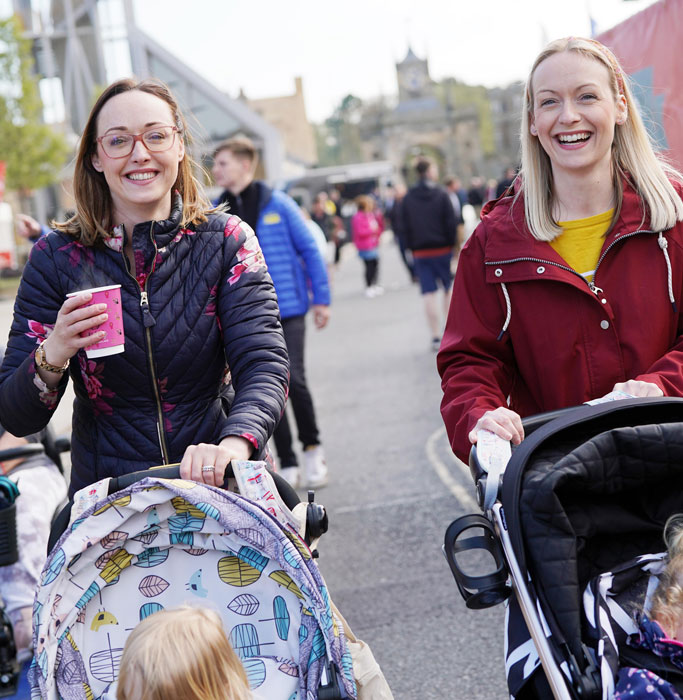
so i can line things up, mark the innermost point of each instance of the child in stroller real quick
(158, 543)
(661, 629)
(181, 653)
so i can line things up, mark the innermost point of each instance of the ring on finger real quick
(208, 468)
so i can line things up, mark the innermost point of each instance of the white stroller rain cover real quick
(161, 543)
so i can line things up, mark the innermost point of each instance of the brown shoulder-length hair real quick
(92, 221)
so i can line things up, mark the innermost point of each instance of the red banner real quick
(648, 46)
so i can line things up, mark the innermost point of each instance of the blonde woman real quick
(181, 654)
(570, 287)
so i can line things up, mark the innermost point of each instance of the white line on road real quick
(362, 507)
(442, 471)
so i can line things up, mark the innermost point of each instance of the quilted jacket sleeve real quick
(26, 405)
(476, 368)
(307, 249)
(254, 344)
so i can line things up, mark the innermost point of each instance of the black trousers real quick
(299, 396)
(371, 270)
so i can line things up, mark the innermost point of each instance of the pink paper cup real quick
(113, 342)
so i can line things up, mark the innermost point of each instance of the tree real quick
(340, 136)
(475, 96)
(33, 152)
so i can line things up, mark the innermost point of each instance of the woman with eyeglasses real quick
(195, 295)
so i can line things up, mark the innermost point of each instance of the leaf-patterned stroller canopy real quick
(162, 543)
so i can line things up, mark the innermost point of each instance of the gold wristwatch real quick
(44, 364)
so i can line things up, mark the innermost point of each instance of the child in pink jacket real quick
(366, 228)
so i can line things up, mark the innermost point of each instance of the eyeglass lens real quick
(159, 139)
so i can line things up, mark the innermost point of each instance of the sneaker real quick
(436, 344)
(370, 292)
(379, 290)
(315, 469)
(290, 475)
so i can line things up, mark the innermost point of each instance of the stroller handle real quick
(22, 451)
(530, 425)
(172, 471)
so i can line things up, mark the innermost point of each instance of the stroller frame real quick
(498, 486)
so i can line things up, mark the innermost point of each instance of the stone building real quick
(428, 119)
(287, 114)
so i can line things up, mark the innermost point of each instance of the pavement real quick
(394, 488)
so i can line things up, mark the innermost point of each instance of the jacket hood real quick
(509, 237)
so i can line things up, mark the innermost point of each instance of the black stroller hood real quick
(589, 491)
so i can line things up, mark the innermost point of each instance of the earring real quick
(533, 130)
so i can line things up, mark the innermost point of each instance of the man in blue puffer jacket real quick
(298, 273)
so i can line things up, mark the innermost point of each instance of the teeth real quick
(571, 138)
(140, 176)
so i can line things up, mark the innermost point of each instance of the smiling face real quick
(139, 184)
(575, 113)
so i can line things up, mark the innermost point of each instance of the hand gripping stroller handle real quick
(172, 471)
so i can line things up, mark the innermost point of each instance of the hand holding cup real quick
(65, 340)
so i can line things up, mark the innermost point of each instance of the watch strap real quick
(44, 364)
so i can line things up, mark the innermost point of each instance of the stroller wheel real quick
(483, 590)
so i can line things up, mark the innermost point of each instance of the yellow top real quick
(581, 241)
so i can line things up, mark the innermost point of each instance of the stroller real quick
(573, 521)
(157, 541)
(16, 532)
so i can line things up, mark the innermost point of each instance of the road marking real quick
(413, 500)
(442, 471)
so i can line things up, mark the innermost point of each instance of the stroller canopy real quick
(583, 498)
(161, 543)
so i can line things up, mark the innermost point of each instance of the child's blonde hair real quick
(667, 600)
(181, 653)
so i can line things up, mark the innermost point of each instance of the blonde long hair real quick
(633, 154)
(92, 221)
(181, 654)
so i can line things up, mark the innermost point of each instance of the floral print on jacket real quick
(164, 392)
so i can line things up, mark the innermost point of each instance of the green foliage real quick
(473, 96)
(33, 151)
(338, 139)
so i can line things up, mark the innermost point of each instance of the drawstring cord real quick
(664, 245)
(509, 311)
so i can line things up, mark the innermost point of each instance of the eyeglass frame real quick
(139, 137)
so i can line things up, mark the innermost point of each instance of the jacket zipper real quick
(591, 285)
(146, 318)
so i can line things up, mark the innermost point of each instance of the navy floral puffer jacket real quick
(198, 298)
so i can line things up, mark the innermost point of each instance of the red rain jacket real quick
(563, 343)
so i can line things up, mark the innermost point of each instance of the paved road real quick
(377, 393)
(394, 488)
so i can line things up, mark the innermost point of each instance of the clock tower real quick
(413, 78)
